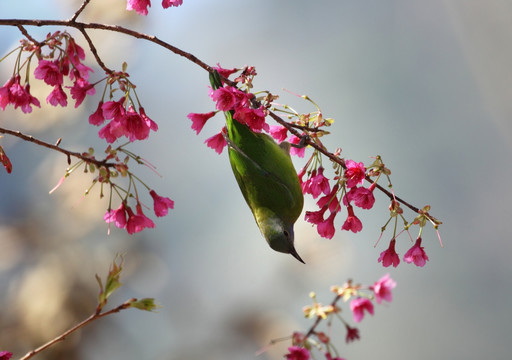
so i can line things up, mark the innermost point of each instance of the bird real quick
(267, 179)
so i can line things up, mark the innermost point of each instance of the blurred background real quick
(426, 85)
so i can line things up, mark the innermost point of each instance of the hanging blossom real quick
(382, 289)
(389, 256)
(64, 61)
(122, 122)
(359, 306)
(416, 254)
(141, 6)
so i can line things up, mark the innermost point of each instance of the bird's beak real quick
(294, 253)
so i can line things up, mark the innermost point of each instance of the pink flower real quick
(75, 52)
(225, 99)
(26, 108)
(112, 131)
(315, 217)
(80, 89)
(278, 132)
(362, 197)
(161, 204)
(57, 97)
(117, 216)
(330, 200)
(5, 355)
(389, 256)
(114, 109)
(136, 128)
(295, 150)
(254, 118)
(352, 223)
(140, 6)
(18, 95)
(167, 3)
(319, 184)
(358, 307)
(354, 173)
(198, 120)
(416, 254)
(5, 93)
(50, 72)
(382, 289)
(5, 161)
(352, 334)
(217, 142)
(97, 118)
(139, 222)
(297, 353)
(225, 72)
(150, 123)
(326, 228)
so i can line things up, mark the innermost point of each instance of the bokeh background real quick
(427, 85)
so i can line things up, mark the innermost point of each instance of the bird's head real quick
(279, 236)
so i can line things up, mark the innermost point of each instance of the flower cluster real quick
(238, 102)
(303, 343)
(63, 59)
(141, 6)
(60, 59)
(122, 121)
(347, 187)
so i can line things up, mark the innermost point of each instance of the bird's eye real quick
(286, 233)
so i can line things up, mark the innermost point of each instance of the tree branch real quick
(115, 28)
(69, 154)
(119, 29)
(79, 11)
(68, 332)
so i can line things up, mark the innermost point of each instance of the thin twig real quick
(114, 28)
(27, 35)
(68, 153)
(79, 11)
(63, 336)
(95, 52)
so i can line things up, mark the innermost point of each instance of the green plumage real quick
(268, 181)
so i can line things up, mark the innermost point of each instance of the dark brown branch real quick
(55, 147)
(114, 28)
(95, 52)
(27, 35)
(79, 11)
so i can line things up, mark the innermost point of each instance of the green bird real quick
(267, 179)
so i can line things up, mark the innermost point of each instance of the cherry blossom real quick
(355, 173)
(161, 204)
(382, 289)
(359, 306)
(352, 223)
(297, 353)
(416, 254)
(199, 120)
(217, 142)
(389, 256)
(140, 6)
